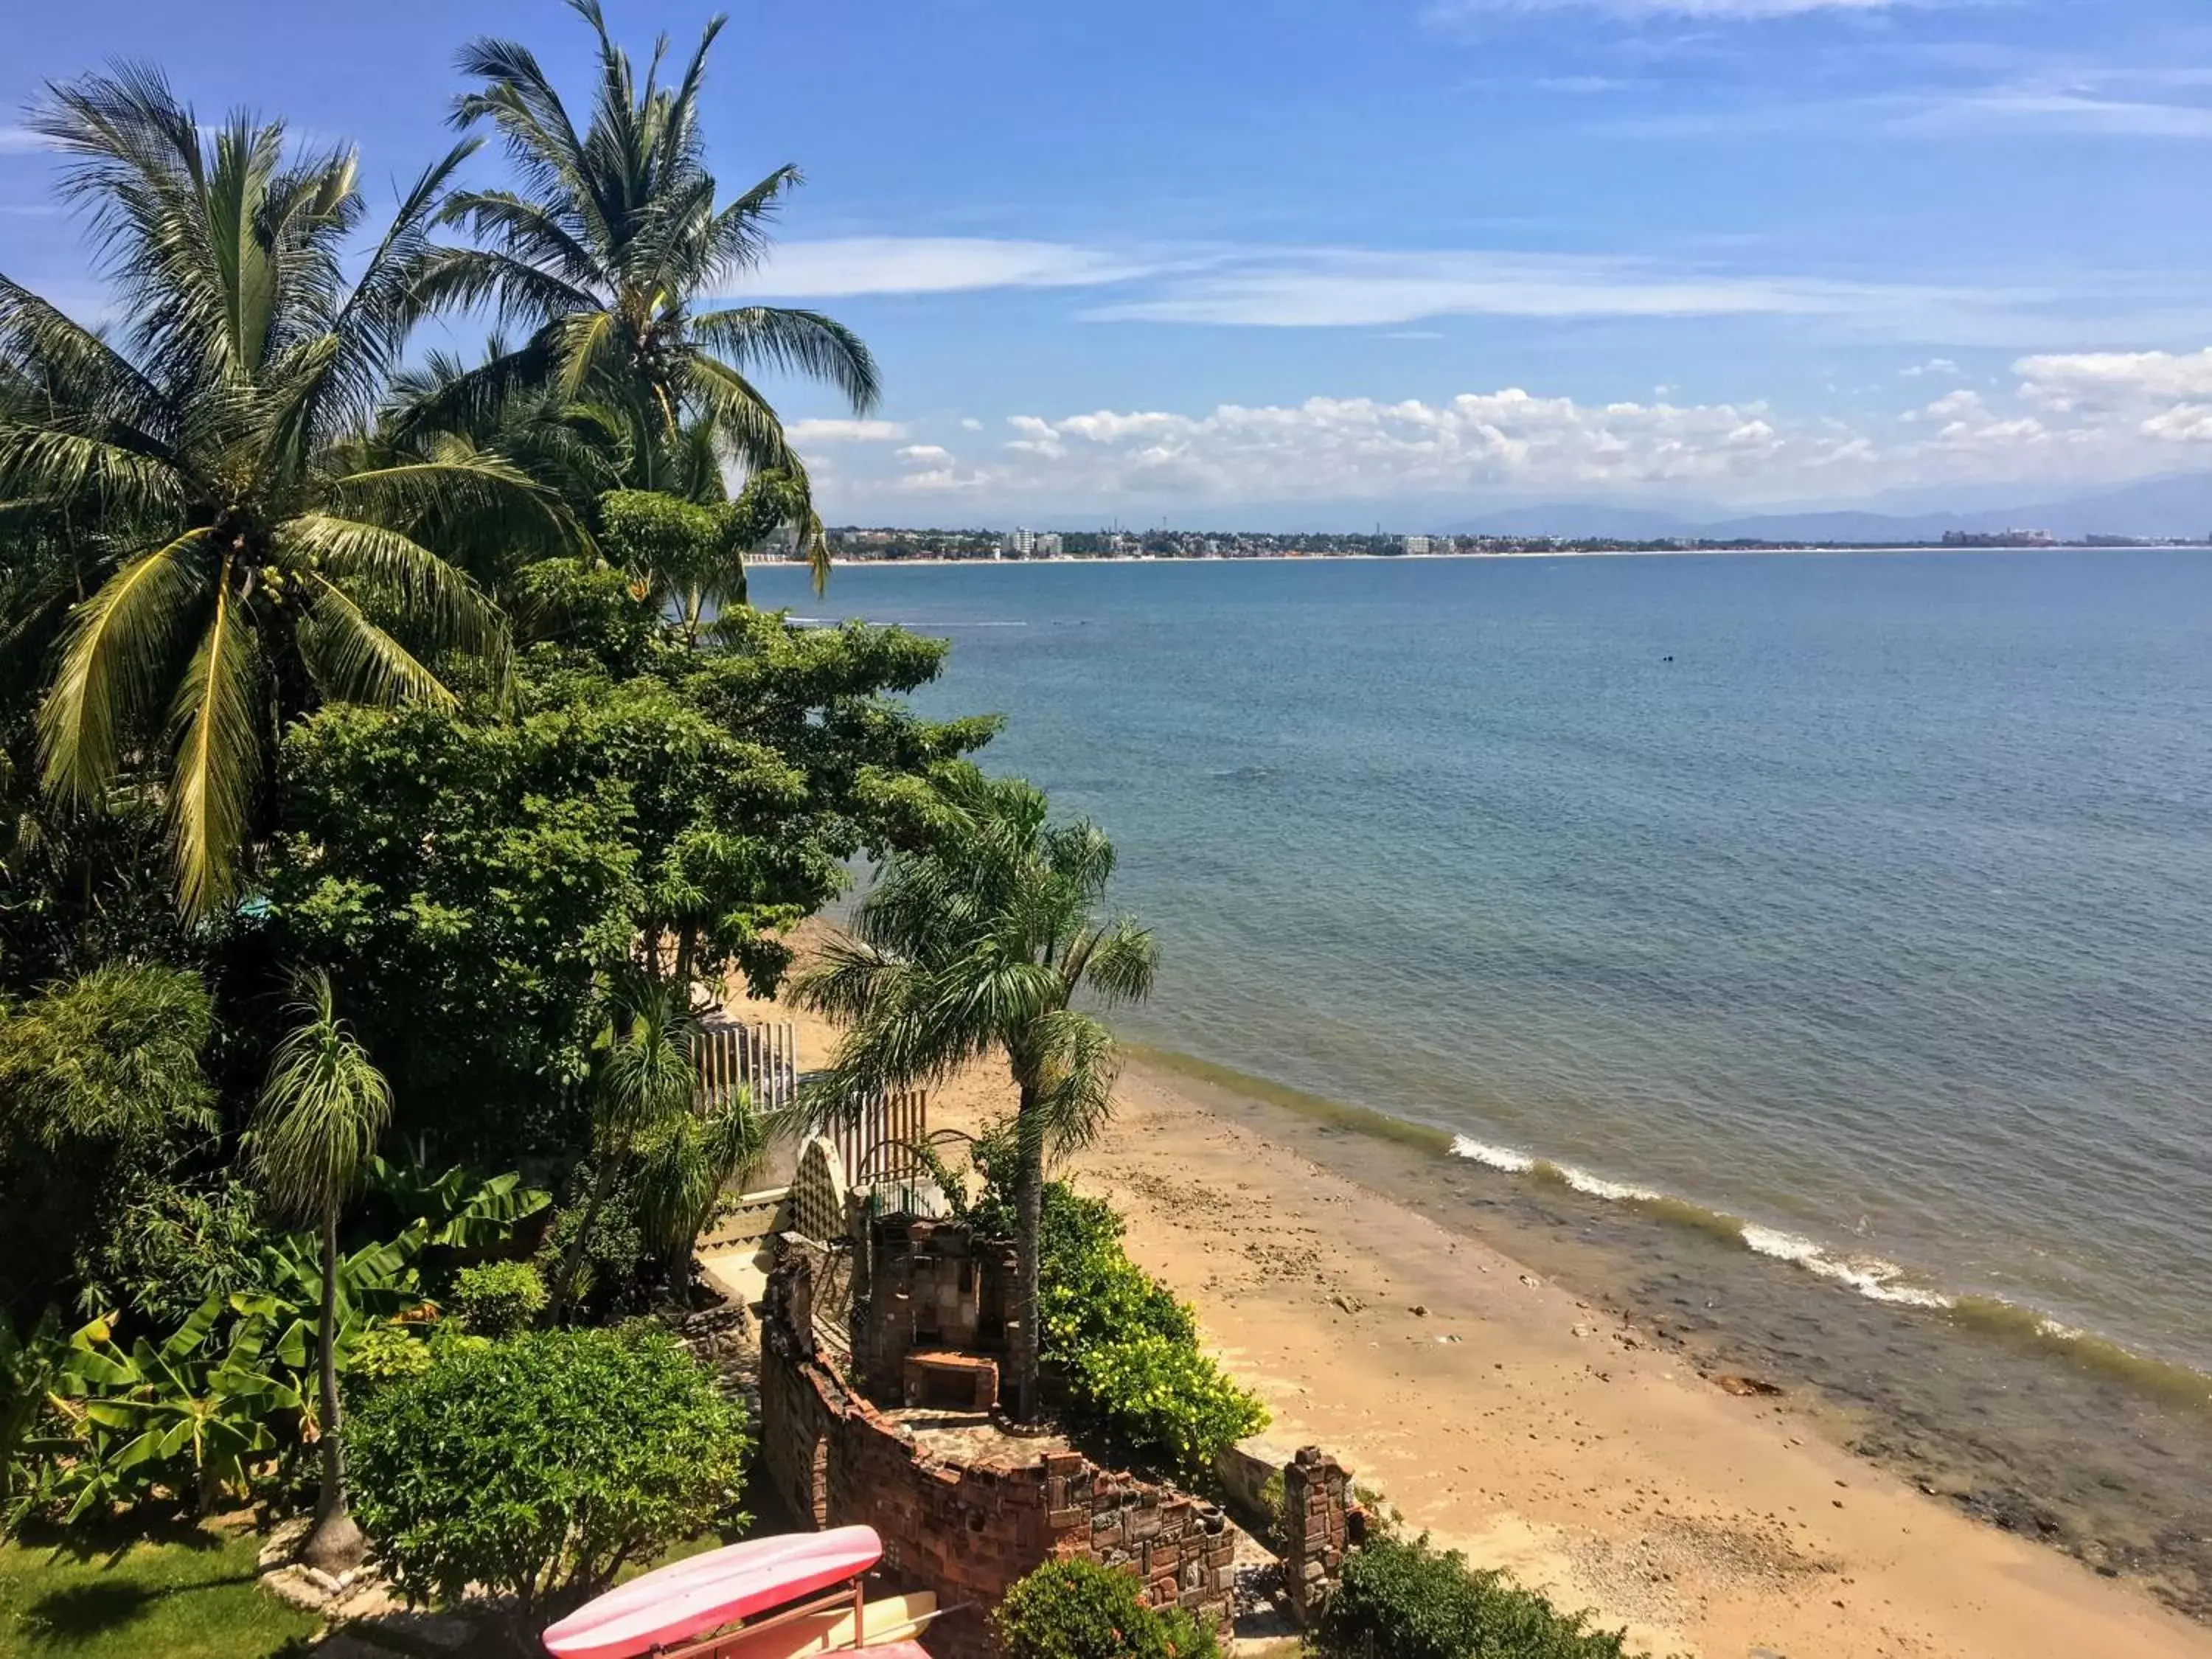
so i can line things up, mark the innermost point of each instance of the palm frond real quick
(322, 1111)
(805, 342)
(115, 662)
(218, 755)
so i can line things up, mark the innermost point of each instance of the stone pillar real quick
(789, 1301)
(1317, 1530)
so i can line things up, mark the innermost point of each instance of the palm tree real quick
(252, 564)
(313, 1135)
(611, 255)
(645, 1083)
(980, 945)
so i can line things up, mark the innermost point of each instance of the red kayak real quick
(709, 1591)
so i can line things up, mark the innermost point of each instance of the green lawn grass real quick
(180, 1594)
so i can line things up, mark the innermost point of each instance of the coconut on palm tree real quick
(614, 254)
(980, 946)
(248, 561)
(321, 1113)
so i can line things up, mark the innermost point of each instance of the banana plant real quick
(30, 1369)
(193, 1415)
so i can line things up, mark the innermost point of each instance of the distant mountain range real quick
(2180, 506)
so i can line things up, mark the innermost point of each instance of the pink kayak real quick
(709, 1591)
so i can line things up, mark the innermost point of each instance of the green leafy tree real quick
(645, 1083)
(469, 877)
(688, 558)
(541, 1467)
(103, 1095)
(609, 254)
(312, 1141)
(979, 944)
(246, 565)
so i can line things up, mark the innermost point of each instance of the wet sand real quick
(1527, 1424)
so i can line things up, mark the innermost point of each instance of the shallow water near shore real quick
(1817, 947)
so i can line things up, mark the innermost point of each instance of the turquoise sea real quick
(1864, 901)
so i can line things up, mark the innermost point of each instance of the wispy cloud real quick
(2061, 109)
(15, 140)
(1341, 288)
(833, 431)
(934, 264)
(1707, 10)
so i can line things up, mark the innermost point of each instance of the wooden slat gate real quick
(877, 1141)
(762, 1058)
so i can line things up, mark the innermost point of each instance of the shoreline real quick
(1394, 1306)
(1869, 548)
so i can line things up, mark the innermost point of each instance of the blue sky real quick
(1300, 260)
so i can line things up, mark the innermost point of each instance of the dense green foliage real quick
(498, 1298)
(1080, 1610)
(1127, 1347)
(541, 1467)
(1409, 1601)
(102, 1096)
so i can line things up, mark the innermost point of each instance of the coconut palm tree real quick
(250, 563)
(612, 255)
(977, 946)
(313, 1135)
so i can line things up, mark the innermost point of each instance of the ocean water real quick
(1810, 953)
(1865, 898)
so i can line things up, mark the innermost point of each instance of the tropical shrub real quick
(1411, 1601)
(1127, 1347)
(191, 1417)
(541, 1467)
(498, 1298)
(388, 1353)
(1081, 1610)
(1166, 1395)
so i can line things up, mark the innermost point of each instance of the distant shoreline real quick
(842, 562)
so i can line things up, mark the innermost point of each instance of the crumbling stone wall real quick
(968, 1531)
(926, 1285)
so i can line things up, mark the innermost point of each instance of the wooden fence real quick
(878, 1140)
(762, 1058)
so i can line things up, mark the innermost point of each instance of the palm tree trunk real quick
(1029, 1232)
(602, 1184)
(335, 1544)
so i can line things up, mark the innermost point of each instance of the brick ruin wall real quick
(966, 1531)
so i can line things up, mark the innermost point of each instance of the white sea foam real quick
(1870, 1276)
(1613, 1192)
(1497, 1158)
(2058, 1333)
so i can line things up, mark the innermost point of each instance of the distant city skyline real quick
(1427, 257)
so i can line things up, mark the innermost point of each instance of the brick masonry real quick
(1317, 1528)
(968, 1531)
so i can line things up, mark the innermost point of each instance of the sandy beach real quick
(1543, 1433)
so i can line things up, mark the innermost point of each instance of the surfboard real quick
(707, 1591)
(892, 1617)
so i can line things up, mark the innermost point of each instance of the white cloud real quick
(2112, 378)
(969, 423)
(932, 264)
(845, 432)
(1941, 366)
(1337, 287)
(2069, 421)
(2067, 109)
(1711, 10)
(14, 141)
